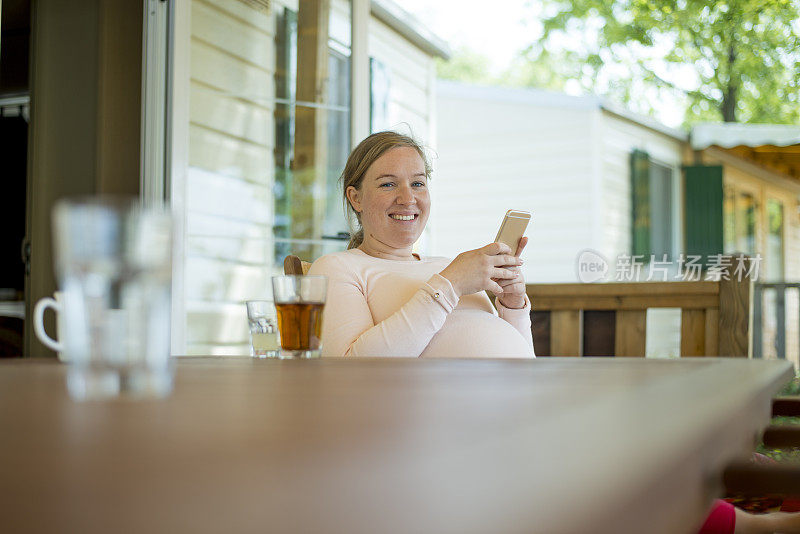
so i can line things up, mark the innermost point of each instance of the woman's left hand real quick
(513, 295)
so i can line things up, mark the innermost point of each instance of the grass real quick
(784, 455)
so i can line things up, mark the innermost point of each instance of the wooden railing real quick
(610, 319)
(780, 289)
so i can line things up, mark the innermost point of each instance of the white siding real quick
(229, 182)
(619, 138)
(411, 80)
(497, 154)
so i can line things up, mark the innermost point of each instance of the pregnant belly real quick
(477, 334)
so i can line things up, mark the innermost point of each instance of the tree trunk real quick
(729, 105)
(730, 94)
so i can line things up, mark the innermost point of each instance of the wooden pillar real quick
(712, 332)
(631, 333)
(119, 99)
(566, 338)
(736, 309)
(310, 148)
(693, 332)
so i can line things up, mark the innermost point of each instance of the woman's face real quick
(393, 199)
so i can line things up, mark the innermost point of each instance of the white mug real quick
(57, 304)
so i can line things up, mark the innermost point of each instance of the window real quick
(774, 258)
(661, 210)
(268, 133)
(654, 207)
(312, 135)
(729, 220)
(741, 215)
(746, 219)
(379, 85)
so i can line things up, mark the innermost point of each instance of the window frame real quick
(675, 188)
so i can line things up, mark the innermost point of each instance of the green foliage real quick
(785, 455)
(466, 66)
(732, 60)
(550, 71)
(791, 388)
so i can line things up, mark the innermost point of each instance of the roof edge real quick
(410, 27)
(545, 97)
(518, 95)
(644, 120)
(731, 134)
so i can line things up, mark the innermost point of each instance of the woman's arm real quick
(518, 318)
(513, 304)
(348, 328)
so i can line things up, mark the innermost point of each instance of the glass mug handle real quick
(38, 322)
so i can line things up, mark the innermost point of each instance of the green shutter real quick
(703, 210)
(640, 202)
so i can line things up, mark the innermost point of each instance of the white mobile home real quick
(564, 158)
(598, 177)
(237, 114)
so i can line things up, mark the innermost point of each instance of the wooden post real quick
(780, 321)
(310, 146)
(693, 332)
(631, 333)
(758, 322)
(566, 334)
(712, 332)
(736, 309)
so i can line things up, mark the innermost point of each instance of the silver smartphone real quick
(513, 228)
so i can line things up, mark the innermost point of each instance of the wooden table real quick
(407, 446)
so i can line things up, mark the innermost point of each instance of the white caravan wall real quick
(412, 100)
(522, 149)
(620, 137)
(229, 181)
(411, 80)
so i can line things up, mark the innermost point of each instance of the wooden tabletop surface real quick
(390, 445)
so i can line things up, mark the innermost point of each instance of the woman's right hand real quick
(476, 270)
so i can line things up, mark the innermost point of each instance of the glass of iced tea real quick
(299, 301)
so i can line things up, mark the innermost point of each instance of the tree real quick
(466, 65)
(735, 60)
(470, 66)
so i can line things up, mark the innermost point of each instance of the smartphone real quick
(513, 228)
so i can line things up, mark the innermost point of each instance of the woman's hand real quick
(513, 295)
(482, 269)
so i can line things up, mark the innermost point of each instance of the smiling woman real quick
(385, 300)
(392, 200)
(377, 168)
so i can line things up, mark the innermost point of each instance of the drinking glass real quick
(299, 301)
(114, 265)
(263, 330)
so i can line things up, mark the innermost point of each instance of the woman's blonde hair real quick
(360, 159)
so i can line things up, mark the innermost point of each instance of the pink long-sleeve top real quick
(379, 307)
